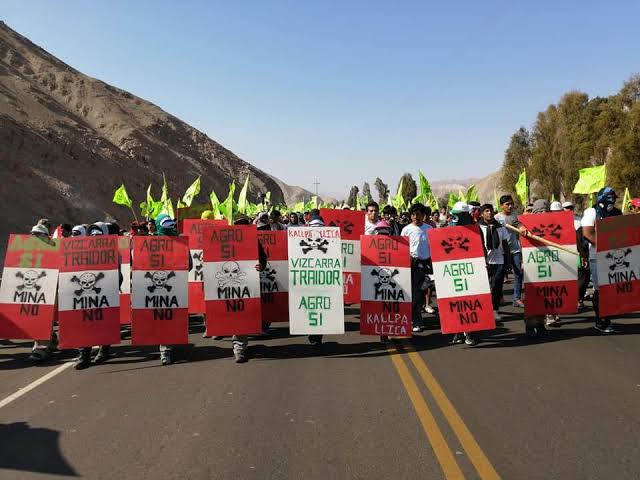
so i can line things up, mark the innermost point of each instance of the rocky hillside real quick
(67, 140)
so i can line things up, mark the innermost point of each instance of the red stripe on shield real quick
(619, 298)
(89, 327)
(455, 243)
(466, 314)
(125, 308)
(236, 316)
(392, 319)
(275, 307)
(196, 298)
(26, 321)
(550, 298)
(351, 281)
(160, 326)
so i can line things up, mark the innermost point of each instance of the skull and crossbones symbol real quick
(87, 282)
(619, 259)
(30, 280)
(455, 242)
(345, 225)
(159, 280)
(230, 275)
(268, 275)
(552, 230)
(385, 278)
(315, 242)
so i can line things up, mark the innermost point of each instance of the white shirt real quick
(369, 228)
(495, 256)
(418, 240)
(589, 220)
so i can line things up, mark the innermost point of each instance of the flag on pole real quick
(242, 199)
(472, 194)
(591, 179)
(453, 199)
(226, 207)
(167, 204)
(625, 200)
(522, 188)
(121, 197)
(191, 193)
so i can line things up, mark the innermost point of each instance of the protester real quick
(383, 228)
(65, 230)
(604, 207)
(584, 274)
(306, 216)
(528, 209)
(151, 227)
(372, 218)
(421, 267)
(262, 221)
(390, 215)
(474, 211)
(494, 239)
(274, 221)
(294, 220)
(460, 217)
(315, 221)
(42, 349)
(509, 217)
(435, 218)
(241, 342)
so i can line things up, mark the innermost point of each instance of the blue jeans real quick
(517, 275)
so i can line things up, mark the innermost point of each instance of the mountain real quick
(293, 194)
(67, 141)
(485, 186)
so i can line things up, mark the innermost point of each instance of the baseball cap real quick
(567, 205)
(460, 207)
(556, 206)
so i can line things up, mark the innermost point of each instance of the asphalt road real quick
(561, 408)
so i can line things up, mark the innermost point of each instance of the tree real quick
(409, 187)
(516, 158)
(366, 191)
(352, 199)
(383, 191)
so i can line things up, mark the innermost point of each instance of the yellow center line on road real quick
(443, 453)
(474, 452)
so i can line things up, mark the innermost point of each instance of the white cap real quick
(567, 205)
(460, 207)
(556, 207)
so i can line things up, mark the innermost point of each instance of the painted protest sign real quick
(89, 291)
(231, 281)
(315, 281)
(28, 289)
(159, 292)
(385, 306)
(193, 229)
(351, 225)
(550, 274)
(462, 282)
(274, 280)
(124, 247)
(618, 257)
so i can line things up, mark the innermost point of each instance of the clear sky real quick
(347, 90)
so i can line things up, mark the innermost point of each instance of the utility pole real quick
(316, 183)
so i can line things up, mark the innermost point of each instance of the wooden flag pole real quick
(542, 240)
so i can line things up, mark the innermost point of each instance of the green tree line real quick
(575, 133)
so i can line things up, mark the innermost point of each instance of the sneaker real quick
(218, 337)
(204, 335)
(496, 316)
(469, 340)
(550, 320)
(416, 329)
(38, 356)
(457, 339)
(542, 331)
(429, 309)
(531, 333)
(103, 355)
(165, 358)
(604, 327)
(518, 303)
(240, 357)
(580, 304)
(315, 340)
(82, 361)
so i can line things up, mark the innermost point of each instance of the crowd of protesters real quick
(501, 245)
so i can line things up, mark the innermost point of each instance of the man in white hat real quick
(556, 206)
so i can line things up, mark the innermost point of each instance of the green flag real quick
(522, 188)
(425, 188)
(398, 200)
(625, 200)
(215, 204)
(453, 199)
(591, 179)
(191, 193)
(226, 207)
(121, 197)
(167, 204)
(299, 207)
(242, 199)
(472, 194)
